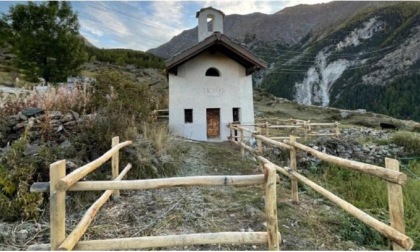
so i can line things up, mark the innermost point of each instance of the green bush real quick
(121, 105)
(16, 175)
(409, 140)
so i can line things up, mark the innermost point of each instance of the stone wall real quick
(52, 125)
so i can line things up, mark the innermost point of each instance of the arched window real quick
(212, 72)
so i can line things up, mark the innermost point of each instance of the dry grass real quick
(157, 134)
(56, 98)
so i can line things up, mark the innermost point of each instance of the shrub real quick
(409, 140)
(16, 176)
(122, 105)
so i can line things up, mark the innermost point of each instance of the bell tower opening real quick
(210, 20)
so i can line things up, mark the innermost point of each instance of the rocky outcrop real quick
(371, 152)
(54, 125)
(359, 144)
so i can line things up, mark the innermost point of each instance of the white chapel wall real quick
(191, 89)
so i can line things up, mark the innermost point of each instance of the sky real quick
(142, 25)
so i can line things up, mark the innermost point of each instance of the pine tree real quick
(46, 40)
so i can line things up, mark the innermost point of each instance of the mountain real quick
(348, 55)
(286, 27)
(371, 61)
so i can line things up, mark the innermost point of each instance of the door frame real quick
(207, 123)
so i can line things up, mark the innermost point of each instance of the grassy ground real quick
(270, 106)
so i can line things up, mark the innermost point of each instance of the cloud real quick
(142, 25)
(243, 7)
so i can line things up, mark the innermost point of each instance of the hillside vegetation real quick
(369, 62)
(125, 57)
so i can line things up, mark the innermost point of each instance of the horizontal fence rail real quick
(242, 180)
(395, 231)
(167, 241)
(377, 171)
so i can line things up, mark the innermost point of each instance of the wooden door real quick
(213, 123)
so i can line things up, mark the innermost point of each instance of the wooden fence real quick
(159, 114)
(60, 183)
(279, 129)
(391, 174)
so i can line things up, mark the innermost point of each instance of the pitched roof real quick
(208, 8)
(218, 42)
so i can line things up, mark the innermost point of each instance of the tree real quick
(46, 39)
(4, 33)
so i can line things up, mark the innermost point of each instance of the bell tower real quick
(209, 20)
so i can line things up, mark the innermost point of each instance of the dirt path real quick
(187, 210)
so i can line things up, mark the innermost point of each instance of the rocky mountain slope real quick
(349, 55)
(286, 27)
(370, 62)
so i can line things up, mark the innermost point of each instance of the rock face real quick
(288, 26)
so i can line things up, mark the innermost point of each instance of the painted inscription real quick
(214, 91)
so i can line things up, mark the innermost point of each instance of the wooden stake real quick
(242, 141)
(115, 165)
(266, 129)
(271, 208)
(81, 172)
(395, 202)
(377, 171)
(57, 205)
(260, 152)
(293, 165)
(337, 130)
(230, 131)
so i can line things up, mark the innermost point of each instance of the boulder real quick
(54, 114)
(32, 111)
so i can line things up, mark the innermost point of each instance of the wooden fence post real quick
(293, 165)
(115, 165)
(395, 202)
(57, 205)
(337, 130)
(266, 129)
(260, 149)
(242, 140)
(230, 131)
(271, 208)
(305, 128)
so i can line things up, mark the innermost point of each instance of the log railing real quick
(390, 173)
(159, 114)
(60, 183)
(275, 128)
